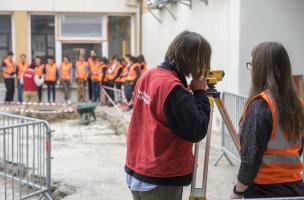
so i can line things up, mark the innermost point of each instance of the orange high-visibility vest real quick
(104, 77)
(39, 70)
(95, 72)
(132, 76)
(22, 67)
(81, 70)
(281, 162)
(9, 68)
(50, 72)
(65, 71)
(122, 77)
(111, 72)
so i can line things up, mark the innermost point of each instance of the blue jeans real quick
(96, 91)
(20, 91)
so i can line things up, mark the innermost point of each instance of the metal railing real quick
(25, 158)
(234, 105)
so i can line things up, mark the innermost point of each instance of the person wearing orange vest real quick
(90, 63)
(9, 70)
(133, 74)
(272, 129)
(113, 73)
(51, 76)
(65, 73)
(39, 68)
(95, 75)
(105, 65)
(142, 64)
(21, 68)
(118, 81)
(81, 75)
(167, 119)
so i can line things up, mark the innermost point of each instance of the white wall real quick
(271, 20)
(100, 6)
(218, 23)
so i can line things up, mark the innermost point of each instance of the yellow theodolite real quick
(213, 77)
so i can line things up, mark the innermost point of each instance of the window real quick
(74, 50)
(43, 36)
(5, 35)
(81, 26)
(119, 35)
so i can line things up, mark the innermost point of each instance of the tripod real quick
(199, 193)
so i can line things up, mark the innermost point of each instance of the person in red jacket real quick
(31, 81)
(167, 119)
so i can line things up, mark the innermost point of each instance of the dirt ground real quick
(91, 158)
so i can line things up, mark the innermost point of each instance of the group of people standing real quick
(115, 74)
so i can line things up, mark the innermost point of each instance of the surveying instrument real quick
(213, 77)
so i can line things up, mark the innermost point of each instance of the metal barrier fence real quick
(234, 105)
(25, 158)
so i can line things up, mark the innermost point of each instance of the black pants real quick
(10, 89)
(110, 92)
(51, 88)
(118, 94)
(40, 94)
(90, 89)
(293, 189)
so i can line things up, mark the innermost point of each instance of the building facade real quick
(233, 28)
(67, 28)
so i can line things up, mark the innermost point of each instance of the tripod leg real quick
(220, 104)
(200, 193)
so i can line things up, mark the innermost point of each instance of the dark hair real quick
(141, 58)
(122, 60)
(133, 59)
(191, 54)
(115, 57)
(22, 55)
(67, 57)
(51, 57)
(128, 55)
(10, 53)
(105, 60)
(271, 69)
(37, 57)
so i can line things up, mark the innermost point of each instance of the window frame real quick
(65, 39)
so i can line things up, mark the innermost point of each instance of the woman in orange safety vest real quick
(21, 68)
(65, 77)
(133, 73)
(272, 129)
(95, 74)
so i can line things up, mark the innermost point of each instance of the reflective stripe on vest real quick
(22, 67)
(65, 71)
(81, 71)
(281, 161)
(50, 72)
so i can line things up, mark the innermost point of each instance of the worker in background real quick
(65, 77)
(167, 119)
(21, 68)
(31, 81)
(39, 68)
(131, 79)
(113, 74)
(117, 79)
(142, 64)
(104, 79)
(95, 74)
(272, 129)
(9, 71)
(81, 75)
(51, 76)
(91, 62)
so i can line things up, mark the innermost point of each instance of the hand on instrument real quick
(198, 84)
